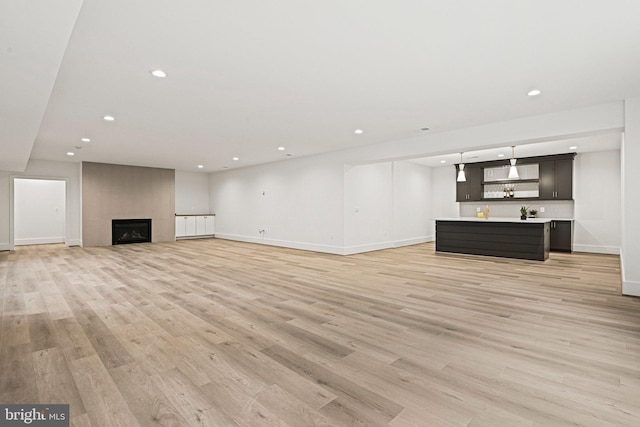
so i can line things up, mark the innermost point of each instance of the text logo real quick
(34, 415)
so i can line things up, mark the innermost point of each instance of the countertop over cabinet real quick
(497, 219)
(192, 214)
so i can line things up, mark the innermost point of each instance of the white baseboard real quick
(6, 247)
(74, 242)
(199, 236)
(337, 250)
(414, 241)
(352, 250)
(39, 241)
(631, 288)
(597, 249)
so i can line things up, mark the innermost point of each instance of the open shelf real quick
(509, 181)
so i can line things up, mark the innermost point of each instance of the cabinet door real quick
(461, 189)
(200, 225)
(561, 236)
(190, 226)
(209, 225)
(474, 183)
(471, 189)
(181, 226)
(547, 172)
(564, 179)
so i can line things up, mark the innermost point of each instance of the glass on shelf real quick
(511, 190)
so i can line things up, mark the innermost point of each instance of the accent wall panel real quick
(126, 192)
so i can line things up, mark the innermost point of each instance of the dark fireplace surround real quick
(124, 231)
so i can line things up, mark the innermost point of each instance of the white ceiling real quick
(245, 77)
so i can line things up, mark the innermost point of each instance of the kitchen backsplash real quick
(561, 209)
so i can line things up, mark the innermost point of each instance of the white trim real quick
(38, 241)
(74, 242)
(196, 236)
(6, 247)
(597, 249)
(628, 287)
(284, 243)
(631, 288)
(414, 241)
(351, 250)
(336, 250)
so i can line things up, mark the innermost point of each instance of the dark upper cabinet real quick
(564, 179)
(471, 189)
(554, 182)
(561, 236)
(547, 180)
(556, 179)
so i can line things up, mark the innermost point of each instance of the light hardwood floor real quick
(213, 332)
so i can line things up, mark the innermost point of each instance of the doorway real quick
(39, 213)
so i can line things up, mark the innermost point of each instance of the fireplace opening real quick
(125, 231)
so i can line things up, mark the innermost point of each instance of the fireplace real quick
(125, 231)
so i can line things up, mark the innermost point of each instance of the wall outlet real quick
(478, 209)
(542, 209)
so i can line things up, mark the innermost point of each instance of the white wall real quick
(39, 211)
(308, 203)
(318, 203)
(631, 199)
(368, 207)
(192, 193)
(43, 169)
(412, 203)
(443, 195)
(596, 190)
(299, 202)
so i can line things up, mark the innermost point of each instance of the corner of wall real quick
(629, 287)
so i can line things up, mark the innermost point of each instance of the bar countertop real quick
(499, 219)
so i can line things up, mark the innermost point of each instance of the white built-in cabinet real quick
(195, 226)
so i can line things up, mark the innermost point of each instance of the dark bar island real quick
(501, 237)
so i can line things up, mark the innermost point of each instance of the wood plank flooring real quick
(220, 333)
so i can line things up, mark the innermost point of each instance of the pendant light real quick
(461, 176)
(513, 172)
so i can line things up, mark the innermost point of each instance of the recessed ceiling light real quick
(443, 161)
(158, 73)
(85, 139)
(236, 158)
(281, 148)
(109, 118)
(200, 166)
(358, 131)
(289, 155)
(424, 128)
(573, 147)
(534, 92)
(500, 155)
(71, 153)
